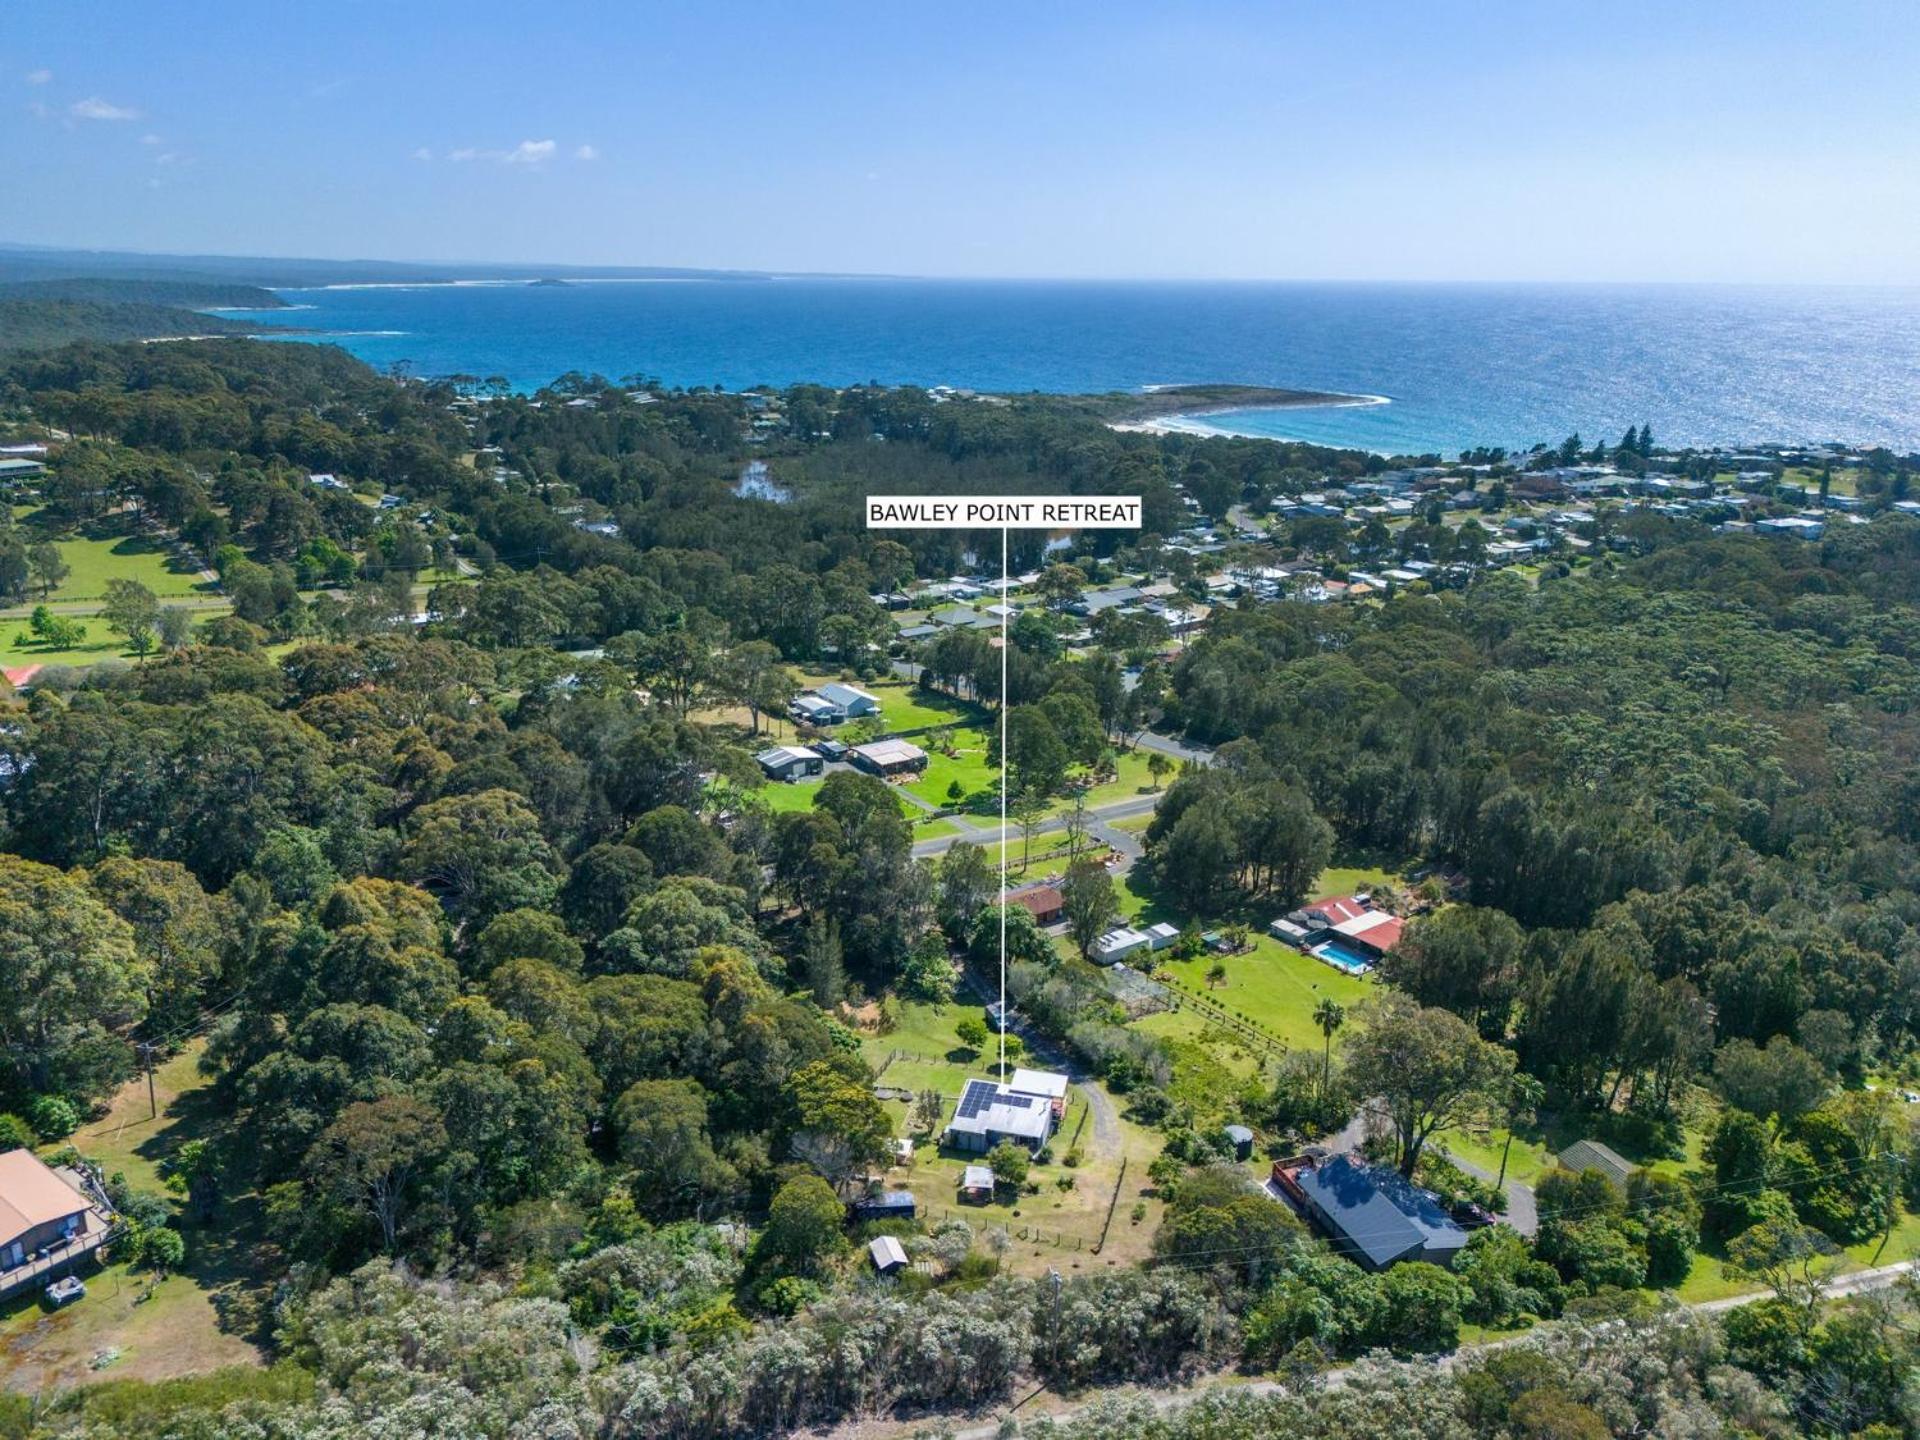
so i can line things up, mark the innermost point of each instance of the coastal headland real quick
(1183, 409)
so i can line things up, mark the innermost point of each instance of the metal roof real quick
(1378, 1211)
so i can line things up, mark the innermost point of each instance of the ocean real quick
(1456, 365)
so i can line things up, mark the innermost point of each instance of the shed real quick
(1241, 1138)
(1119, 942)
(815, 710)
(976, 1183)
(789, 762)
(887, 1205)
(887, 1254)
(887, 758)
(1592, 1155)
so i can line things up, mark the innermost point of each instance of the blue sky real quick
(1431, 139)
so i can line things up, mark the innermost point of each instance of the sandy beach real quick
(1208, 421)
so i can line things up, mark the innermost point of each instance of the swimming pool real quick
(1340, 957)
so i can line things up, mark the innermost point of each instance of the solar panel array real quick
(982, 1095)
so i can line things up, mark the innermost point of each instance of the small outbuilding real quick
(1241, 1139)
(1592, 1155)
(888, 758)
(976, 1184)
(789, 762)
(887, 1253)
(887, 1205)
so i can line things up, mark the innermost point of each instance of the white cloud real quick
(586, 152)
(94, 108)
(527, 152)
(151, 139)
(423, 153)
(39, 77)
(531, 152)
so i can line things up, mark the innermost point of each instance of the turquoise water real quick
(1460, 365)
(1354, 962)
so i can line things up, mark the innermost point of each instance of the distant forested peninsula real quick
(40, 314)
(1190, 399)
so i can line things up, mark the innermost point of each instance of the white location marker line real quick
(984, 512)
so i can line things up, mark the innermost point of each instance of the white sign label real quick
(990, 512)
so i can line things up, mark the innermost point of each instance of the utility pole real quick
(146, 1057)
(1054, 1284)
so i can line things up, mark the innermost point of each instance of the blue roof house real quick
(1372, 1214)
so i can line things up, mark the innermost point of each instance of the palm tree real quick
(1329, 1015)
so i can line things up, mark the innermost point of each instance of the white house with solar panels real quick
(1024, 1110)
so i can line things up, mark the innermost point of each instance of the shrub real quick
(53, 1117)
(15, 1133)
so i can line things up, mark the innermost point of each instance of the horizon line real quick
(587, 271)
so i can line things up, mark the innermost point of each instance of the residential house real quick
(1372, 1214)
(852, 700)
(50, 1221)
(815, 710)
(1044, 902)
(1803, 527)
(989, 1114)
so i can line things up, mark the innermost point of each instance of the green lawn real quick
(905, 707)
(110, 552)
(929, 1054)
(186, 1324)
(782, 798)
(1275, 988)
(1526, 1161)
(978, 780)
(1132, 778)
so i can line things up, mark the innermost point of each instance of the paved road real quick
(1178, 749)
(1857, 1283)
(987, 831)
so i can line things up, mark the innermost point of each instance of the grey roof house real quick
(1374, 1215)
